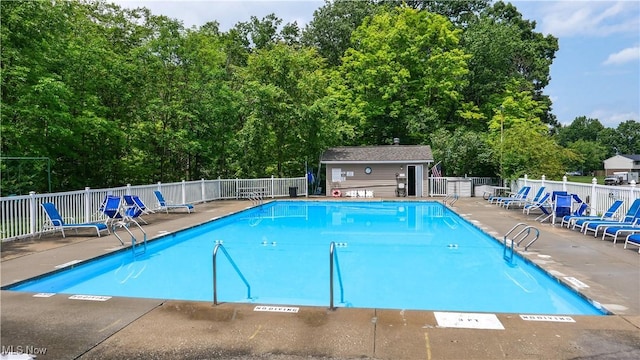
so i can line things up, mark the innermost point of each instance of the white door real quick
(418, 180)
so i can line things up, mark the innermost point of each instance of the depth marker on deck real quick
(90, 297)
(468, 320)
(553, 318)
(72, 262)
(44, 295)
(575, 282)
(283, 309)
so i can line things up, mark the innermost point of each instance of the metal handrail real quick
(255, 197)
(518, 238)
(124, 224)
(215, 284)
(528, 228)
(333, 254)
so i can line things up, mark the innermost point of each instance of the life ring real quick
(336, 193)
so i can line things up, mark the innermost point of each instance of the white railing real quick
(438, 186)
(599, 197)
(22, 216)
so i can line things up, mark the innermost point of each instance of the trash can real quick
(293, 191)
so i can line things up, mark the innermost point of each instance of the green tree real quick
(460, 13)
(332, 25)
(521, 140)
(505, 48)
(403, 75)
(582, 128)
(463, 152)
(621, 140)
(284, 123)
(590, 156)
(629, 132)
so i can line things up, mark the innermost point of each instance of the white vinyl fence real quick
(462, 186)
(22, 216)
(599, 197)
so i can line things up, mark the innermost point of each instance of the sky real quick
(596, 72)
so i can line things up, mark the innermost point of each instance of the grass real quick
(585, 179)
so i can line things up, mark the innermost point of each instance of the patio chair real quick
(521, 194)
(165, 206)
(135, 203)
(112, 209)
(614, 231)
(548, 210)
(121, 216)
(609, 214)
(524, 201)
(596, 225)
(543, 202)
(561, 207)
(633, 239)
(56, 222)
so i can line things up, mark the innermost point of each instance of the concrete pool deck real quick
(57, 327)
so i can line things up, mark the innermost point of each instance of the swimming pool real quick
(400, 255)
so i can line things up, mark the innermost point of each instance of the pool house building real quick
(378, 171)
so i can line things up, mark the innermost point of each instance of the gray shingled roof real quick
(632, 157)
(379, 154)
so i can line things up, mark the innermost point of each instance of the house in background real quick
(377, 170)
(622, 163)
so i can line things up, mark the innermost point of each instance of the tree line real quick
(114, 95)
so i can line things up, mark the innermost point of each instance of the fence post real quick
(184, 192)
(203, 191)
(32, 211)
(593, 201)
(633, 189)
(526, 177)
(542, 179)
(306, 186)
(87, 205)
(564, 183)
(272, 186)
(128, 189)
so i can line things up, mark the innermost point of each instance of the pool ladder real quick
(125, 224)
(524, 232)
(215, 273)
(452, 198)
(333, 256)
(255, 197)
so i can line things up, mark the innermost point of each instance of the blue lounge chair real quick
(135, 206)
(614, 231)
(121, 216)
(521, 194)
(165, 206)
(609, 214)
(112, 209)
(633, 239)
(543, 202)
(56, 222)
(629, 219)
(524, 201)
(548, 210)
(580, 211)
(562, 207)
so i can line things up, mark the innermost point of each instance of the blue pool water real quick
(401, 255)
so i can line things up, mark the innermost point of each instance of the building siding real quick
(381, 181)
